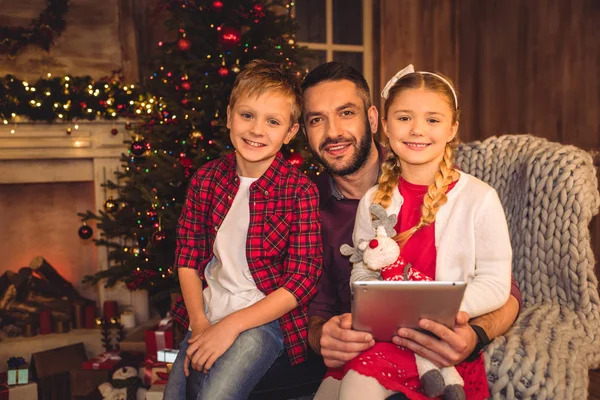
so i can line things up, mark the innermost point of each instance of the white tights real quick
(353, 386)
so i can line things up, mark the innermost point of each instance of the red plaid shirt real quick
(283, 246)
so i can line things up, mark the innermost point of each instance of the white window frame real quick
(366, 48)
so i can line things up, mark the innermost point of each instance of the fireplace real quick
(48, 175)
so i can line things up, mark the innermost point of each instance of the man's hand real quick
(339, 343)
(210, 344)
(452, 347)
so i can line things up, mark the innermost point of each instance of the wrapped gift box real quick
(105, 361)
(159, 337)
(149, 372)
(167, 355)
(18, 371)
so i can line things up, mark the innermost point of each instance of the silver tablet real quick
(381, 307)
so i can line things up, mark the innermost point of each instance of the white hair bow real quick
(409, 69)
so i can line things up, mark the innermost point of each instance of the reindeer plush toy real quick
(382, 254)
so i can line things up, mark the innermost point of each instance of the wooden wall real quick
(521, 66)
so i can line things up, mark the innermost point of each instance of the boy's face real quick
(259, 126)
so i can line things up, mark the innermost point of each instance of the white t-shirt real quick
(230, 286)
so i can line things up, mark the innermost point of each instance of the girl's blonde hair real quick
(391, 169)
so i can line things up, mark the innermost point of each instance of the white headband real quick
(409, 70)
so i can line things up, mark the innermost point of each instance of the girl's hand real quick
(197, 330)
(450, 347)
(211, 344)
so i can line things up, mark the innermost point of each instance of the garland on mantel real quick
(70, 98)
(42, 31)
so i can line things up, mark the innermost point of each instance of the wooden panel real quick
(521, 66)
(530, 67)
(422, 33)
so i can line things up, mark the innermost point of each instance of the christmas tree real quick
(183, 127)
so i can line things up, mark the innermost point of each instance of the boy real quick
(248, 247)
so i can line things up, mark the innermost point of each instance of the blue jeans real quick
(177, 383)
(235, 373)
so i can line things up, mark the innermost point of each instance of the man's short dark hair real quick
(336, 71)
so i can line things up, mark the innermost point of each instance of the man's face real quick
(338, 128)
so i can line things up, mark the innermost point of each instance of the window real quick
(337, 30)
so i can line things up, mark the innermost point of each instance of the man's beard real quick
(363, 148)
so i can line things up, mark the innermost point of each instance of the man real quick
(339, 123)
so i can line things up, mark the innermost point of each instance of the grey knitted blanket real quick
(550, 194)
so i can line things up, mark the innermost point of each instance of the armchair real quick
(550, 194)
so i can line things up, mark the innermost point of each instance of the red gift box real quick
(152, 368)
(163, 377)
(104, 361)
(159, 337)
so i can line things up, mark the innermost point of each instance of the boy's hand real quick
(452, 347)
(211, 344)
(197, 330)
(339, 343)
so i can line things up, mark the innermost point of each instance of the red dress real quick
(394, 366)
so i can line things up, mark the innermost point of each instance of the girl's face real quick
(419, 125)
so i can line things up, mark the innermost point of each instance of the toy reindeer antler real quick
(356, 254)
(382, 219)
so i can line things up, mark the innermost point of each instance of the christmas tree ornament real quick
(230, 36)
(111, 206)
(217, 5)
(235, 69)
(114, 131)
(295, 159)
(197, 135)
(85, 232)
(159, 238)
(128, 126)
(223, 71)
(184, 44)
(69, 131)
(138, 147)
(152, 214)
(186, 85)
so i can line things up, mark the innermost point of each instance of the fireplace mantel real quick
(46, 153)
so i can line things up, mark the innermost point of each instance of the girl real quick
(452, 227)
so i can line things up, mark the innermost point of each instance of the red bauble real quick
(258, 7)
(230, 36)
(159, 238)
(223, 72)
(183, 44)
(184, 102)
(128, 126)
(114, 131)
(295, 159)
(186, 162)
(217, 5)
(85, 232)
(186, 85)
(139, 147)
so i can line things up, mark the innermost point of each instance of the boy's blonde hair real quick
(391, 170)
(259, 77)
